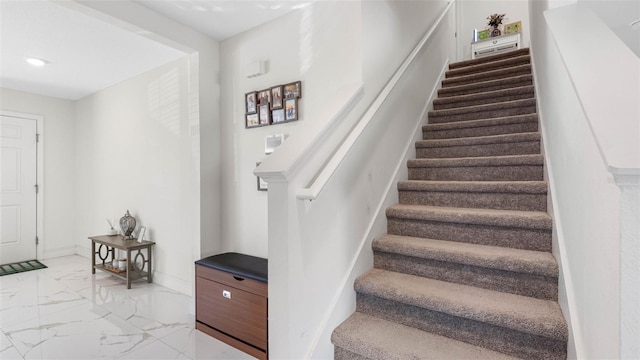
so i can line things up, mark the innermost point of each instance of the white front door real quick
(18, 154)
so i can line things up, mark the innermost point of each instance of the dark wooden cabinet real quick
(232, 301)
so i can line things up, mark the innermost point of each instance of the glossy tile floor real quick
(65, 312)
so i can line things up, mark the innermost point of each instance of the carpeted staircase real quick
(466, 269)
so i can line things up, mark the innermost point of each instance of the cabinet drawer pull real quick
(226, 294)
(238, 278)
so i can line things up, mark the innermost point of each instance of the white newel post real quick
(279, 304)
(629, 265)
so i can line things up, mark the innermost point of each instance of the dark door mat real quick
(22, 266)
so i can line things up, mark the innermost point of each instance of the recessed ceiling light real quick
(35, 61)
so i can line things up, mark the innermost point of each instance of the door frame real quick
(39, 175)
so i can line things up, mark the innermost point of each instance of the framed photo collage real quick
(272, 106)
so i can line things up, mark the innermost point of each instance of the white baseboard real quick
(59, 252)
(173, 283)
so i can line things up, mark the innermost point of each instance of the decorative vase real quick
(127, 224)
(495, 32)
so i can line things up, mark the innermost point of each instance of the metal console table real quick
(135, 268)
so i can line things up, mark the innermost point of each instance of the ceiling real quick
(85, 54)
(222, 19)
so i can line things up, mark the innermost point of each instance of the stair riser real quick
(476, 200)
(475, 88)
(342, 354)
(495, 65)
(492, 337)
(537, 286)
(480, 131)
(479, 115)
(479, 173)
(505, 73)
(482, 101)
(518, 148)
(519, 238)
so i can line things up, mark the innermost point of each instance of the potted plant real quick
(495, 21)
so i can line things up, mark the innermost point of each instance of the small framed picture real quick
(277, 116)
(291, 109)
(293, 90)
(252, 121)
(514, 27)
(141, 233)
(483, 34)
(264, 97)
(265, 114)
(262, 185)
(276, 97)
(250, 102)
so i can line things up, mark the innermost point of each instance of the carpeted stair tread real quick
(488, 75)
(506, 120)
(488, 59)
(502, 218)
(374, 338)
(509, 160)
(479, 146)
(526, 187)
(487, 66)
(484, 127)
(505, 195)
(493, 257)
(486, 111)
(479, 140)
(520, 313)
(486, 86)
(489, 97)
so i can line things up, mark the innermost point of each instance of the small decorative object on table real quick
(127, 224)
(495, 21)
(112, 231)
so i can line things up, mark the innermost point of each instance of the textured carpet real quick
(465, 270)
(22, 266)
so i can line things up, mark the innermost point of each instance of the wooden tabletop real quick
(118, 241)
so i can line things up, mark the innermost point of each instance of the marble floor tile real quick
(65, 312)
(197, 345)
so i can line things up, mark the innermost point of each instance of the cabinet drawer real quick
(243, 315)
(250, 285)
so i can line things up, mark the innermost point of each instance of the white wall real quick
(204, 83)
(586, 201)
(617, 15)
(318, 45)
(474, 13)
(135, 150)
(59, 180)
(317, 248)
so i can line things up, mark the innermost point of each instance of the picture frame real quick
(264, 97)
(264, 115)
(141, 233)
(276, 97)
(251, 120)
(484, 34)
(513, 28)
(277, 116)
(261, 185)
(291, 109)
(250, 102)
(293, 90)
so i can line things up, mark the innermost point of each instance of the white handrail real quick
(312, 192)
